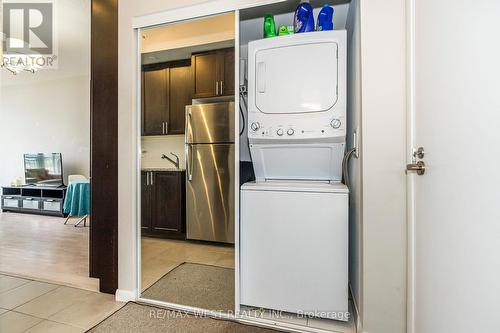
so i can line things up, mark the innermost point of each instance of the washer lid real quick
(295, 186)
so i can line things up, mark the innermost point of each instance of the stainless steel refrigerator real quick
(210, 171)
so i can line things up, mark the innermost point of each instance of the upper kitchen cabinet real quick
(180, 95)
(213, 73)
(227, 75)
(154, 101)
(166, 89)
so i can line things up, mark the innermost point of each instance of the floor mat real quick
(197, 285)
(141, 318)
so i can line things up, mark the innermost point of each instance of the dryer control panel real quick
(333, 128)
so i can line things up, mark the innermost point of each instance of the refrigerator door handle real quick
(189, 128)
(189, 161)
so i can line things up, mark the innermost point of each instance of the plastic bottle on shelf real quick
(304, 17)
(325, 18)
(269, 26)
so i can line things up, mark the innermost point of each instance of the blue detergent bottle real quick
(325, 18)
(304, 17)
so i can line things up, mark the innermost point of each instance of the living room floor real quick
(43, 248)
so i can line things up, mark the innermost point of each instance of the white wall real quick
(50, 111)
(383, 86)
(154, 146)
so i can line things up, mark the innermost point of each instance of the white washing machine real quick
(294, 247)
(297, 106)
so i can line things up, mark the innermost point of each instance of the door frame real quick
(410, 179)
(103, 240)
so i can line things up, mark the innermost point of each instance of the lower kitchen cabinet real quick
(163, 204)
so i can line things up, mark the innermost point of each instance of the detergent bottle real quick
(304, 17)
(325, 18)
(269, 26)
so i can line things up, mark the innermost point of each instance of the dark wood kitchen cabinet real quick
(166, 90)
(181, 94)
(163, 204)
(146, 200)
(155, 110)
(213, 73)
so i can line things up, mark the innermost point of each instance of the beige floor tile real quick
(88, 311)
(13, 322)
(48, 326)
(226, 260)
(155, 270)
(53, 302)
(9, 282)
(15, 297)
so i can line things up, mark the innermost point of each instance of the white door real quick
(455, 249)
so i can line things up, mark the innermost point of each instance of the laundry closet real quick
(294, 213)
(294, 172)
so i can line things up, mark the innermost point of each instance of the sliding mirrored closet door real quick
(188, 163)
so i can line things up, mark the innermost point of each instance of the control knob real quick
(255, 126)
(290, 131)
(336, 123)
(279, 132)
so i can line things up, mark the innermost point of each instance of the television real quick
(43, 169)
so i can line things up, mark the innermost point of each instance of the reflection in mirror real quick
(187, 163)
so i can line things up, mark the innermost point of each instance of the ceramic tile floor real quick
(160, 256)
(36, 307)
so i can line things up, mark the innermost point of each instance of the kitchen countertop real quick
(173, 169)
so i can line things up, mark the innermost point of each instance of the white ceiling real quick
(188, 33)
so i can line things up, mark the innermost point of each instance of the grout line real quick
(24, 315)
(45, 293)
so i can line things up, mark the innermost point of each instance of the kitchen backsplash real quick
(154, 146)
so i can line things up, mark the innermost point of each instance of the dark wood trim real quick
(104, 144)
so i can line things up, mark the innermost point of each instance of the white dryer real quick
(297, 106)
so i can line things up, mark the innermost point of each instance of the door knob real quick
(418, 167)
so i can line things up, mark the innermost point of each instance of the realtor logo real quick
(29, 31)
(28, 28)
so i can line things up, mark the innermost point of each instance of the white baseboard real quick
(125, 295)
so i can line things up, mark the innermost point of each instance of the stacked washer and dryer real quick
(294, 217)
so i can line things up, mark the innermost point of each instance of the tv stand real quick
(43, 200)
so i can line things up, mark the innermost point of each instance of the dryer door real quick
(297, 78)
